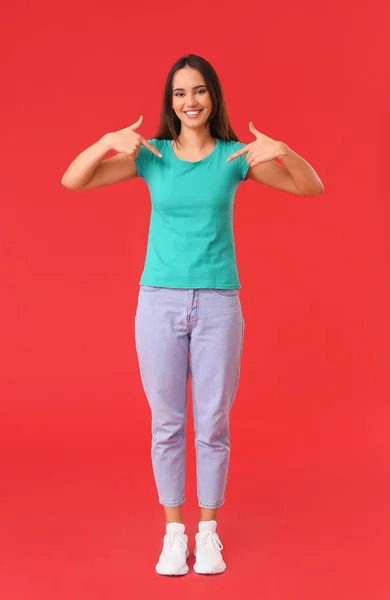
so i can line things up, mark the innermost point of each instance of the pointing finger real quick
(150, 147)
(239, 153)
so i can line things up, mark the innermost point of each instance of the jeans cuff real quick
(211, 506)
(171, 504)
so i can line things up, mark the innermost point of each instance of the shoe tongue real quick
(207, 526)
(175, 528)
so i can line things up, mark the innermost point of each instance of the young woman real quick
(189, 317)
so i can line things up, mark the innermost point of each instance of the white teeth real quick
(192, 112)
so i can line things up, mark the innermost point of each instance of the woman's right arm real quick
(90, 170)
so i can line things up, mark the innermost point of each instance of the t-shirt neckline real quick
(193, 162)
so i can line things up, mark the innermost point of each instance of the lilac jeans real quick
(198, 332)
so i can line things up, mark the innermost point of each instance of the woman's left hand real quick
(260, 151)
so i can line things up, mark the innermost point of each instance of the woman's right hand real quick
(127, 141)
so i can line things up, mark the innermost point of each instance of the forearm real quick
(303, 174)
(81, 170)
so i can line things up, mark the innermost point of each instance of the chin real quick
(189, 123)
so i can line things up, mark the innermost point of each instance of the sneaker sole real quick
(218, 569)
(182, 571)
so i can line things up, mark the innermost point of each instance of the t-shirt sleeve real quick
(144, 158)
(240, 162)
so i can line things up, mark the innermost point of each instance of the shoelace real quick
(171, 540)
(211, 538)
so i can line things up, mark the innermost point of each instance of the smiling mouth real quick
(193, 113)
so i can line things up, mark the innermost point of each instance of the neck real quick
(194, 139)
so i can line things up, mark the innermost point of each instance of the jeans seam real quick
(143, 380)
(195, 427)
(239, 364)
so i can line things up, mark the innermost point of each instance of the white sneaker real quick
(173, 557)
(207, 550)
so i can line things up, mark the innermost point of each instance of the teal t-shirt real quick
(190, 242)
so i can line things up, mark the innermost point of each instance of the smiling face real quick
(190, 94)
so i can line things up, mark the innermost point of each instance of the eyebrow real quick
(194, 88)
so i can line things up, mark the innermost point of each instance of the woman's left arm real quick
(295, 175)
(303, 174)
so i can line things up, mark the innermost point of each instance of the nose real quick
(192, 103)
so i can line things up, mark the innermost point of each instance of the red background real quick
(307, 505)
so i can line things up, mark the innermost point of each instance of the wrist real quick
(283, 150)
(106, 141)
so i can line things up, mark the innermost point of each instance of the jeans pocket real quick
(150, 288)
(222, 292)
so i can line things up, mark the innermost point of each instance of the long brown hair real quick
(170, 124)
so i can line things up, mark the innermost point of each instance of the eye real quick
(181, 93)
